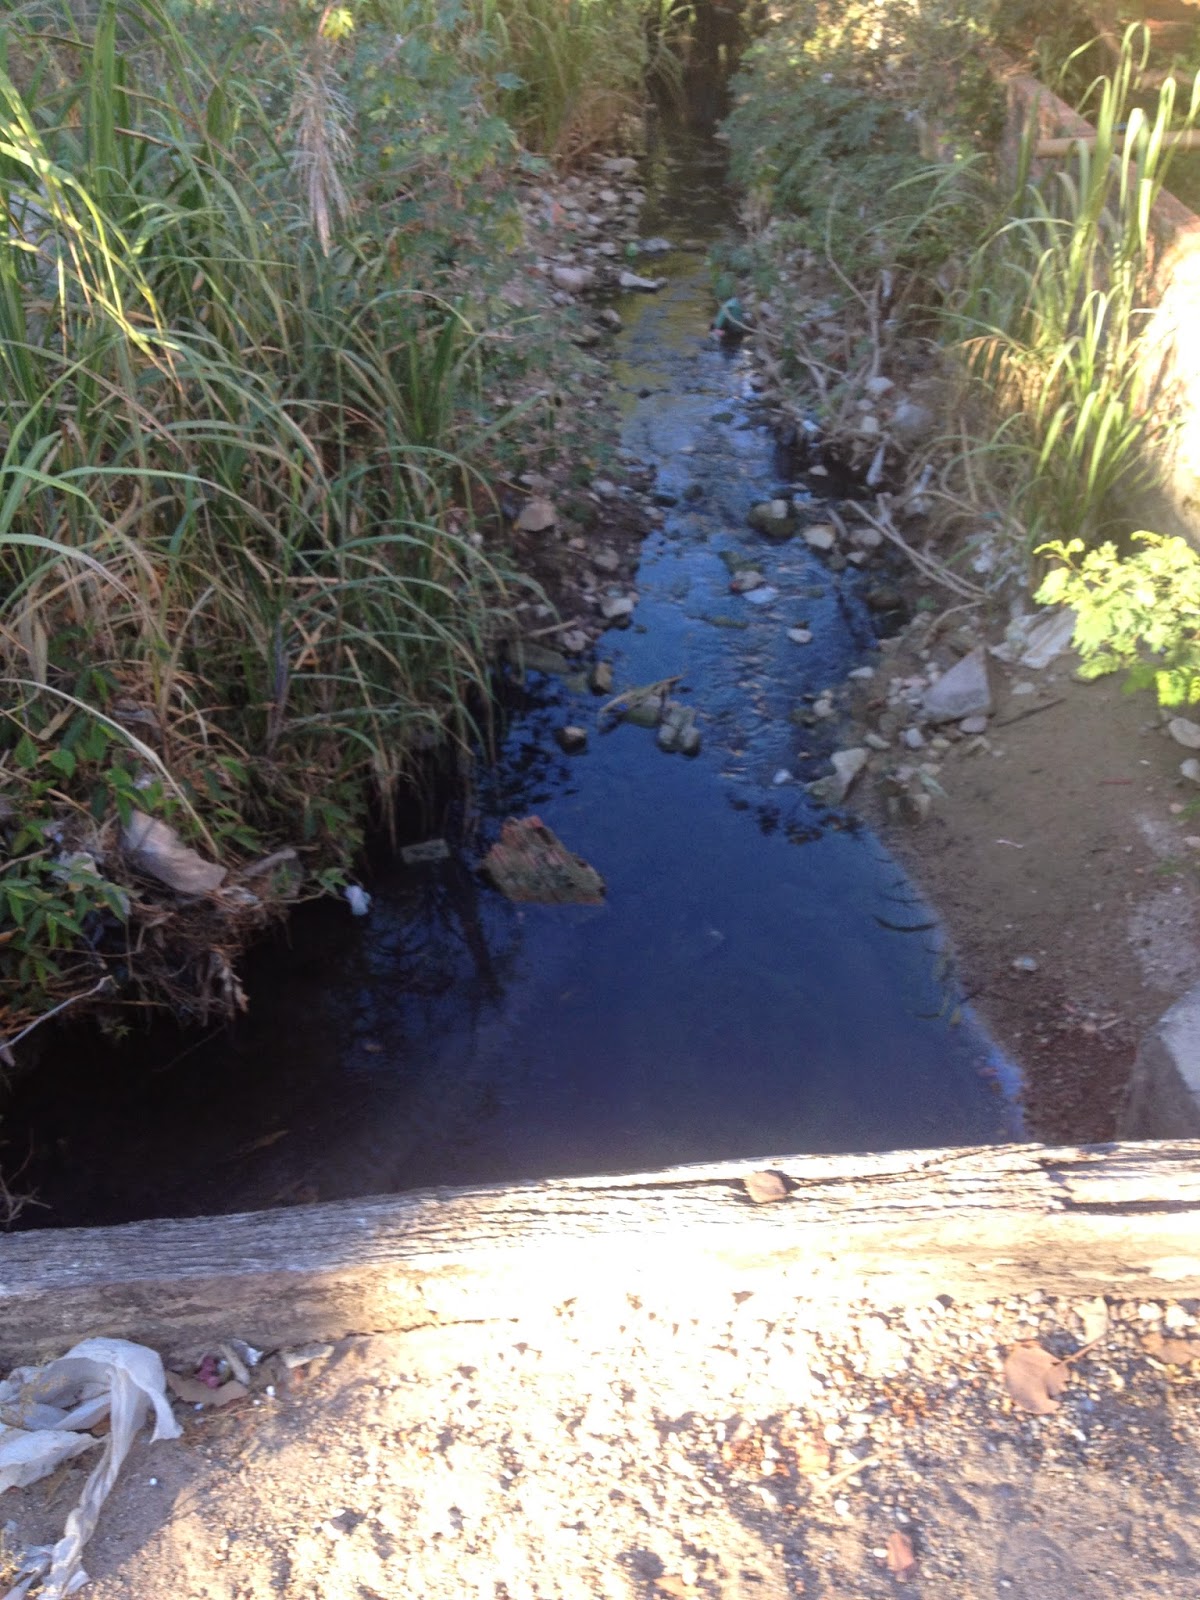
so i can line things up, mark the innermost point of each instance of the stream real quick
(761, 980)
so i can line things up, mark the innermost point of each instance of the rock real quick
(868, 426)
(878, 387)
(964, 691)
(157, 850)
(1184, 732)
(820, 536)
(606, 560)
(800, 635)
(655, 246)
(772, 517)
(619, 166)
(781, 777)
(876, 741)
(604, 487)
(608, 248)
(748, 578)
(537, 515)
(823, 708)
(1190, 769)
(1025, 688)
(611, 318)
(633, 280)
(882, 597)
(600, 678)
(911, 422)
(574, 641)
(618, 609)
(678, 731)
(645, 713)
(608, 197)
(847, 764)
(1024, 964)
(573, 279)
(529, 863)
(973, 725)
(913, 738)
(1048, 637)
(572, 738)
(763, 595)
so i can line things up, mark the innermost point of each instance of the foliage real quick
(1056, 302)
(1140, 612)
(245, 569)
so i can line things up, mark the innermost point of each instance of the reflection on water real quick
(761, 978)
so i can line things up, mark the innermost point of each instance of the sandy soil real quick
(733, 1447)
(1067, 842)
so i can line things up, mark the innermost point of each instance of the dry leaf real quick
(1034, 1378)
(812, 1457)
(1172, 1352)
(670, 1584)
(763, 1187)
(901, 1558)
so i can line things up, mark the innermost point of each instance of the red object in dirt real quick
(529, 863)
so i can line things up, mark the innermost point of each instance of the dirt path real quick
(1063, 840)
(730, 1447)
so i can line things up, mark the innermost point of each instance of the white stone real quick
(821, 536)
(847, 764)
(1184, 732)
(964, 691)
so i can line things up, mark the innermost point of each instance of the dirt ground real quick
(733, 1447)
(1071, 839)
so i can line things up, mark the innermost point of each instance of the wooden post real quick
(894, 1229)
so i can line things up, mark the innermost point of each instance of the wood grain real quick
(896, 1229)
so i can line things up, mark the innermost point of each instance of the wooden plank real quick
(897, 1229)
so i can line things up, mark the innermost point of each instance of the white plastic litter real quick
(359, 900)
(44, 1415)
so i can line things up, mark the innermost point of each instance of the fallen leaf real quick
(194, 1393)
(670, 1584)
(812, 1457)
(1172, 1352)
(763, 1187)
(1034, 1378)
(901, 1558)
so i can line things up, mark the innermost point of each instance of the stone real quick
(600, 678)
(763, 595)
(911, 421)
(847, 764)
(820, 536)
(868, 426)
(882, 597)
(618, 609)
(537, 515)
(677, 731)
(976, 724)
(913, 738)
(1024, 964)
(1048, 637)
(800, 635)
(746, 579)
(606, 560)
(876, 741)
(572, 738)
(574, 641)
(573, 279)
(611, 318)
(604, 487)
(633, 280)
(1190, 769)
(1163, 1101)
(1184, 732)
(964, 691)
(878, 387)
(772, 517)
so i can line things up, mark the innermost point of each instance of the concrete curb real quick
(1163, 1101)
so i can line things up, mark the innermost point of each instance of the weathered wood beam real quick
(896, 1229)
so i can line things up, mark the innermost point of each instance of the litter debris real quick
(157, 850)
(414, 855)
(45, 1413)
(196, 1392)
(528, 863)
(358, 899)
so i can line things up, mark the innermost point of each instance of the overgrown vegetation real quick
(1040, 287)
(257, 287)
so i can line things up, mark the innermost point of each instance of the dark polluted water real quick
(761, 979)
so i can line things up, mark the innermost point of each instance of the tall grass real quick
(240, 576)
(1057, 304)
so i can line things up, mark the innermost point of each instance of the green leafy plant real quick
(1139, 613)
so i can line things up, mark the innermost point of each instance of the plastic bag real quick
(44, 1415)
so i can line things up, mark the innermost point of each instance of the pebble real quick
(763, 595)
(1190, 769)
(1024, 964)
(820, 536)
(913, 738)
(973, 725)
(1184, 732)
(800, 635)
